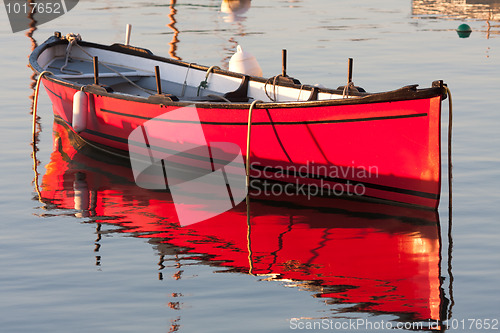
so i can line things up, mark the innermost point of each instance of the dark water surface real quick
(88, 251)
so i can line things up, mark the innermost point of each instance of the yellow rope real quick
(34, 110)
(35, 101)
(249, 241)
(249, 133)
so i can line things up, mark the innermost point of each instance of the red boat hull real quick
(385, 150)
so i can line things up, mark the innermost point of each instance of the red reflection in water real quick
(367, 257)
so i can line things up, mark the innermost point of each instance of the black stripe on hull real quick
(291, 173)
(312, 122)
(53, 93)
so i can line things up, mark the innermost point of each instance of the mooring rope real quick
(450, 204)
(274, 79)
(247, 170)
(72, 39)
(249, 241)
(300, 91)
(450, 164)
(34, 111)
(184, 85)
(249, 136)
(35, 102)
(349, 85)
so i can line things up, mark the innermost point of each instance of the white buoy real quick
(244, 63)
(80, 111)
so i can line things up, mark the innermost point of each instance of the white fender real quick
(80, 111)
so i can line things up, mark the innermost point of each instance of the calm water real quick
(92, 252)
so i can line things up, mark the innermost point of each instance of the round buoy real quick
(464, 30)
(80, 111)
(245, 63)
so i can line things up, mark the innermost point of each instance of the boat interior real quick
(129, 74)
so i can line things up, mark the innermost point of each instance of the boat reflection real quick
(175, 38)
(356, 256)
(235, 9)
(476, 9)
(483, 10)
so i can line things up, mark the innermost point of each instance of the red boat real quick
(360, 256)
(344, 141)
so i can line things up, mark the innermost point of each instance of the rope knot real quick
(349, 87)
(73, 38)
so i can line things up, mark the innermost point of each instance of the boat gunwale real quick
(410, 92)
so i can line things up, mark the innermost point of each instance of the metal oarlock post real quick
(96, 70)
(349, 71)
(283, 62)
(158, 79)
(127, 34)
